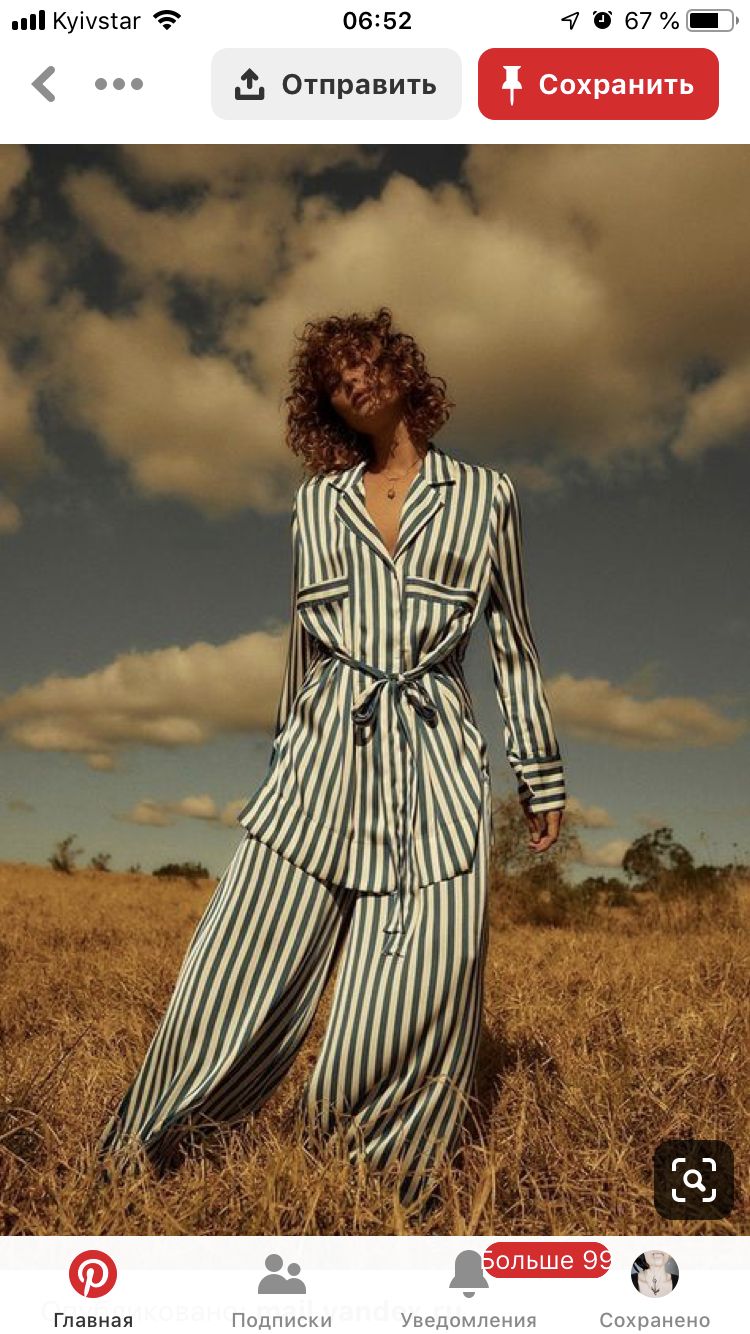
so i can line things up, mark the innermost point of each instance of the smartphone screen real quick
(374, 411)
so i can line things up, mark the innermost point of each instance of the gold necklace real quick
(392, 490)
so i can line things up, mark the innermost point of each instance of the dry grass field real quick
(599, 1041)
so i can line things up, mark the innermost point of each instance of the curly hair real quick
(315, 431)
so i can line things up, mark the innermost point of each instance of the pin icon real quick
(512, 81)
(93, 1273)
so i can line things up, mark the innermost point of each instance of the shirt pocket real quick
(435, 612)
(322, 608)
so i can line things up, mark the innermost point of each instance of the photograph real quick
(322, 914)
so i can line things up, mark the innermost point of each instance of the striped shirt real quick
(378, 769)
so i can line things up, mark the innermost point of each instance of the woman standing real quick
(369, 835)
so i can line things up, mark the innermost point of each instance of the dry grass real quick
(597, 1044)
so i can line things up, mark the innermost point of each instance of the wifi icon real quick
(167, 18)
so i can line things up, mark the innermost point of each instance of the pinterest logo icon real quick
(93, 1273)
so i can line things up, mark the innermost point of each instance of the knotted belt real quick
(405, 686)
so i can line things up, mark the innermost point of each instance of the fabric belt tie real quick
(404, 686)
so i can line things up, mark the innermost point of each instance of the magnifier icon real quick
(696, 1184)
(693, 1178)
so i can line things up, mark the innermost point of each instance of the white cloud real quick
(185, 425)
(717, 414)
(235, 242)
(633, 220)
(149, 811)
(24, 315)
(232, 233)
(167, 698)
(607, 854)
(101, 762)
(595, 709)
(197, 808)
(231, 810)
(176, 697)
(549, 288)
(15, 162)
(588, 816)
(229, 168)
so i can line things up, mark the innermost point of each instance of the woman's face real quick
(654, 1257)
(364, 393)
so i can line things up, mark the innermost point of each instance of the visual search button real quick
(693, 1179)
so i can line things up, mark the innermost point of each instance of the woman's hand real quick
(544, 827)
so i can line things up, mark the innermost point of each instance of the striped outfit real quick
(367, 841)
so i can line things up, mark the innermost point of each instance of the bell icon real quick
(469, 1273)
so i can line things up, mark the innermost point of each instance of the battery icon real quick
(710, 20)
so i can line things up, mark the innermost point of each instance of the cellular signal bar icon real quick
(34, 23)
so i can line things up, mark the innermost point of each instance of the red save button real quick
(598, 83)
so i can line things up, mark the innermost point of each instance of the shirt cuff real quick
(541, 782)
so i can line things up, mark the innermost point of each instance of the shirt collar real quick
(437, 468)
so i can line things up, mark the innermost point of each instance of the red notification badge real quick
(546, 1259)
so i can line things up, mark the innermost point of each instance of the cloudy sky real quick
(588, 307)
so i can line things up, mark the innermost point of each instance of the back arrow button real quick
(40, 81)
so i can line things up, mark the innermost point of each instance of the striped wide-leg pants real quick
(397, 1061)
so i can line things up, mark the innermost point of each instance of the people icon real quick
(654, 1273)
(274, 1281)
(294, 1284)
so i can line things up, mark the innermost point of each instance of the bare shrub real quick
(64, 856)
